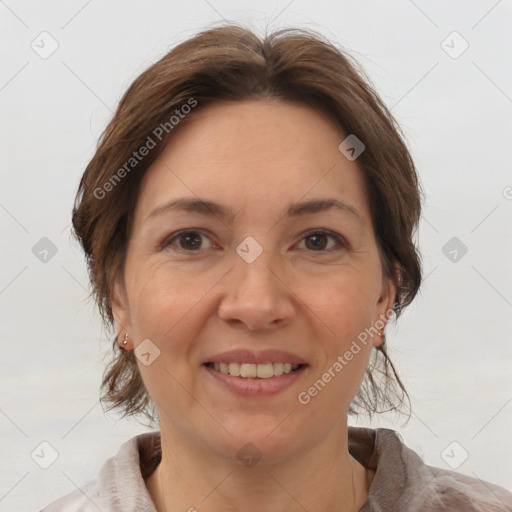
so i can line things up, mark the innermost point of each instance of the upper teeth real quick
(263, 371)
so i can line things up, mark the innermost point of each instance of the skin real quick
(255, 157)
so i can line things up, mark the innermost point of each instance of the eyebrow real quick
(213, 209)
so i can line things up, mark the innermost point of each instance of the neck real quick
(322, 478)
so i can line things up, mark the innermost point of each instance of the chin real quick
(269, 441)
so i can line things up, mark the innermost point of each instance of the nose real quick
(257, 295)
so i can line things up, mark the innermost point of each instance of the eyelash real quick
(176, 236)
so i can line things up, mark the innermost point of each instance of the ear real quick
(385, 304)
(121, 313)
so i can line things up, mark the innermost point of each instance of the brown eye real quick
(318, 241)
(189, 241)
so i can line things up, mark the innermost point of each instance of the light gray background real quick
(453, 346)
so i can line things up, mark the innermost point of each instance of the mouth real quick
(251, 380)
(254, 371)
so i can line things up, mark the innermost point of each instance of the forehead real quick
(257, 129)
(256, 154)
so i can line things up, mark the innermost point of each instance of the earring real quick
(125, 341)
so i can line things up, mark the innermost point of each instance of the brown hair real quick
(231, 63)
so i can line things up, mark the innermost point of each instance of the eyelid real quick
(340, 239)
(176, 235)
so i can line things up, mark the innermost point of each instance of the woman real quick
(201, 216)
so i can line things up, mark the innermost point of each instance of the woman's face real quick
(269, 275)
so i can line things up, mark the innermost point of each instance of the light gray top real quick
(402, 482)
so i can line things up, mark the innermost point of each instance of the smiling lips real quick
(248, 370)
(250, 364)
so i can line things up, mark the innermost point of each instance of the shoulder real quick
(80, 500)
(120, 484)
(439, 489)
(404, 483)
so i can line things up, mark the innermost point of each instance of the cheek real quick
(345, 306)
(155, 295)
(344, 303)
(169, 305)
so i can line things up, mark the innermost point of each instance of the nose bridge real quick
(255, 296)
(253, 268)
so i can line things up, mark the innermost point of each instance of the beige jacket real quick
(402, 482)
